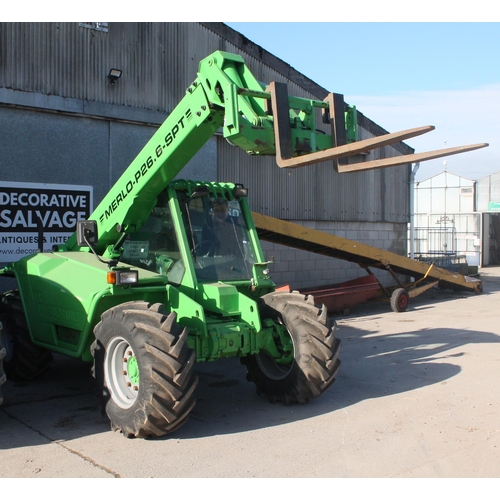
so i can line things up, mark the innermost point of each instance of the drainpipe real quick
(412, 209)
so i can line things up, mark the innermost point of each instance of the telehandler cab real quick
(167, 273)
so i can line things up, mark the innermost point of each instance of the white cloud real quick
(461, 117)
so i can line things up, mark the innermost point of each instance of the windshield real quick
(219, 240)
(154, 246)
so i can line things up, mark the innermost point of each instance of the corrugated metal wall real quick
(67, 60)
(316, 192)
(159, 60)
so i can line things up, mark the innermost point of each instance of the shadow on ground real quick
(63, 404)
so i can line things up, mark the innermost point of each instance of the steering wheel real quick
(209, 245)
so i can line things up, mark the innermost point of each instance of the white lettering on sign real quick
(28, 210)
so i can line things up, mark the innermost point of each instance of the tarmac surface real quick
(417, 396)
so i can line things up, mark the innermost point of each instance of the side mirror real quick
(239, 191)
(86, 233)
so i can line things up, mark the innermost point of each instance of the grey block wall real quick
(302, 269)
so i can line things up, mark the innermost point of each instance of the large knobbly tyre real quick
(316, 351)
(145, 369)
(3, 377)
(23, 359)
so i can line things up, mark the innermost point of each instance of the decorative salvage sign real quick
(29, 211)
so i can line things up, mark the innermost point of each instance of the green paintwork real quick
(351, 124)
(65, 292)
(133, 370)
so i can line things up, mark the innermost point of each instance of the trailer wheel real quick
(23, 359)
(314, 360)
(399, 300)
(144, 368)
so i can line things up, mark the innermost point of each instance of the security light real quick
(113, 75)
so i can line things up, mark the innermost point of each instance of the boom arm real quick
(261, 120)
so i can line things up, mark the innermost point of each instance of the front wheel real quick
(145, 369)
(314, 359)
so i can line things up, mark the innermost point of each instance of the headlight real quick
(123, 277)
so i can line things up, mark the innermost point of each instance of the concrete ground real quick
(417, 396)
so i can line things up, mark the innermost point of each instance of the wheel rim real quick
(121, 372)
(403, 300)
(272, 369)
(278, 367)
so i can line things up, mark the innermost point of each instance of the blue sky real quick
(405, 74)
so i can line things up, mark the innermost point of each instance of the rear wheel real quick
(145, 369)
(313, 359)
(23, 360)
(399, 300)
(3, 377)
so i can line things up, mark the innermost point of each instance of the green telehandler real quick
(167, 273)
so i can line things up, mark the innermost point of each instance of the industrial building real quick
(78, 101)
(457, 221)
